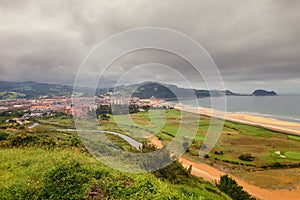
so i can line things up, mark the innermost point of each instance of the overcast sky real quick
(255, 44)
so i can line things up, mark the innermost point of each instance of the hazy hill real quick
(264, 93)
(11, 90)
(159, 90)
(33, 89)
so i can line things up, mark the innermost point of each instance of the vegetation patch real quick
(65, 174)
(292, 155)
(230, 187)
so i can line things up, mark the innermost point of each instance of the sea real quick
(283, 107)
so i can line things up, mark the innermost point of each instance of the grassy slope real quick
(62, 170)
(27, 176)
(11, 95)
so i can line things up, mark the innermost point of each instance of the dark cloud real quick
(254, 43)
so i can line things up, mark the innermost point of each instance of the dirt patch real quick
(154, 140)
(211, 174)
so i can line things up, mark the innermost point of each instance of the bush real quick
(230, 187)
(65, 182)
(3, 136)
(175, 173)
(277, 164)
(17, 191)
(246, 157)
(27, 140)
(105, 117)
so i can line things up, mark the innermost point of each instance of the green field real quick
(235, 140)
(49, 149)
(49, 162)
(11, 95)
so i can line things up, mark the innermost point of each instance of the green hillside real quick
(10, 90)
(35, 173)
(46, 162)
(11, 95)
(34, 90)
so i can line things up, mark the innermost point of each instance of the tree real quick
(246, 157)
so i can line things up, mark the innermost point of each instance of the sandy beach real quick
(248, 119)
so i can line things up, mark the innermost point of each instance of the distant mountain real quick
(9, 90)
(147, 90)
(11, 95)
(16, 90)
(264, 93)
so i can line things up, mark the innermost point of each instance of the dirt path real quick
(211, 174)
(154, 140)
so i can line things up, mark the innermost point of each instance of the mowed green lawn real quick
(259, 142)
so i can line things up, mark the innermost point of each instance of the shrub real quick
(246, 157)
(17, 191)
(28, 140)
(65, 182)
(175, 173)
(277, 164)
(4, 136)
(230, 187)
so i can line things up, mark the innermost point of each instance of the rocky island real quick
(264, 93)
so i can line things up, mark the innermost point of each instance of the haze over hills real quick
(166, 91)
(17, 90)
(31, 89)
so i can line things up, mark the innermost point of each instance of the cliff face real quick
(264, 93)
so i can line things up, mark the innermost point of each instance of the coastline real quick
(291, 128)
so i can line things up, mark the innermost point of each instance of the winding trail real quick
(154, 140)
(34, 125)
(131, 141)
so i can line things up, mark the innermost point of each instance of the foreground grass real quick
(33, 173)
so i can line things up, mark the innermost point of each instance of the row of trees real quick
(120, 109)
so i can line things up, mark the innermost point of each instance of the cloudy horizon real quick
(254, 44)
